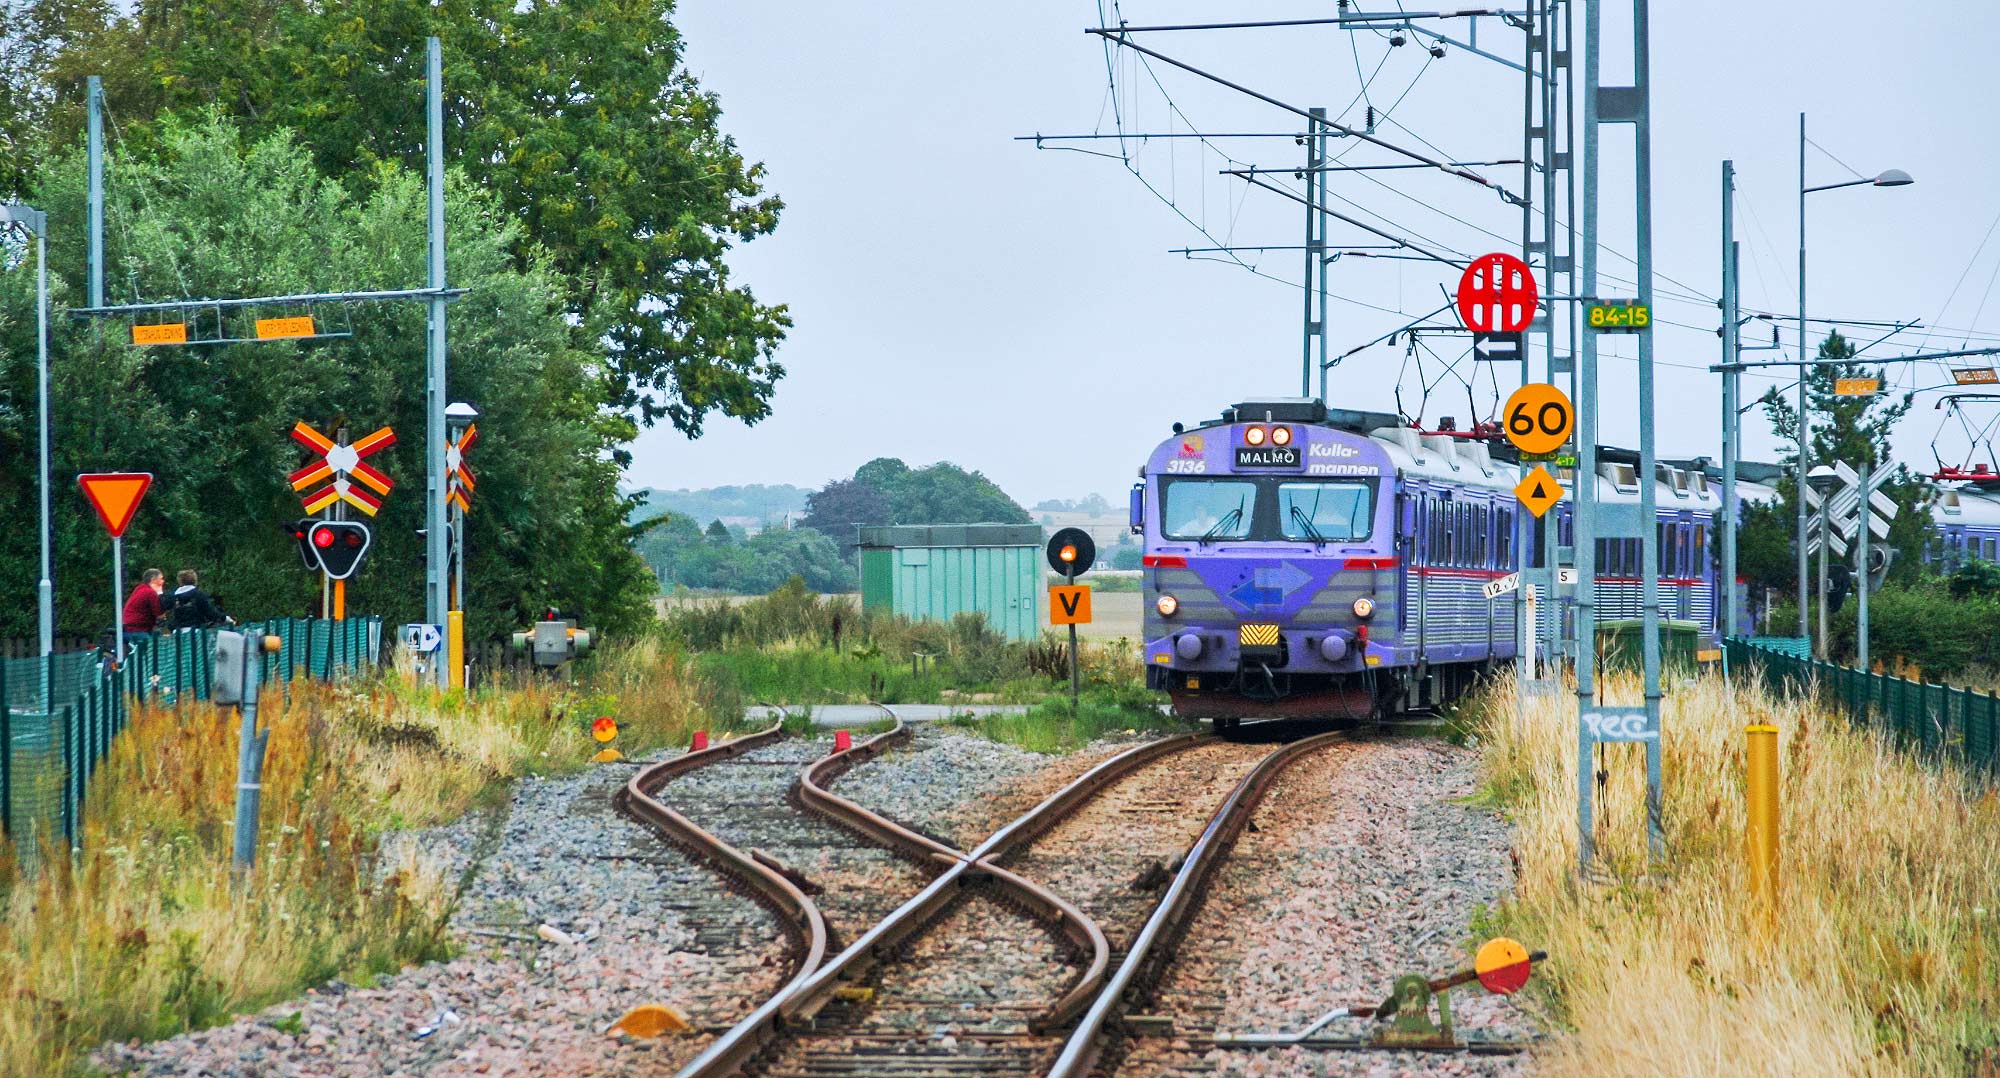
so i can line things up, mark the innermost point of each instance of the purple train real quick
(1315, 563)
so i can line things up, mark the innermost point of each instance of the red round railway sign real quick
(1502, 965)
(1497, 294)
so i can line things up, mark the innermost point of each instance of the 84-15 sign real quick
(1538, 418)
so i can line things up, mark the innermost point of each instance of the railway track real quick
(987, 969)
(731, 807)
(1095, 1045)
(977, 975)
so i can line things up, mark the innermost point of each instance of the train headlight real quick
(1281, 435)
(1166, 605)
(1253, 436)
(1364, 607)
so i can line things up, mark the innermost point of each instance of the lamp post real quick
(1894, 177)
(37, 224)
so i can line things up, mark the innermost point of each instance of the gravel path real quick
(1361, 867)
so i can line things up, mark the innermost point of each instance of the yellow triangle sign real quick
(1539, 491)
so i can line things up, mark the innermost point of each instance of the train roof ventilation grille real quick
(1624, 477)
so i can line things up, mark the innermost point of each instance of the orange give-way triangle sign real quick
(115, 496)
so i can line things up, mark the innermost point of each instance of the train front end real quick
(1271, 583)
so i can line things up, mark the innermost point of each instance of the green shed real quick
(937, 571)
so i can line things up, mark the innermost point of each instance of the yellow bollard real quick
(455, 647)
(1760, 835)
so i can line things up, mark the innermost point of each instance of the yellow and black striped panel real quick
(1257, 636)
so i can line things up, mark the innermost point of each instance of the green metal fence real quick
(63, 711)
(1938, 722)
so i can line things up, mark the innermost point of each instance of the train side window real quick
(1700, 549)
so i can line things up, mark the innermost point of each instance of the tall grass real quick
(793, 647)
(144, 933)
(1881, 958)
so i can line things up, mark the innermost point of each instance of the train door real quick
(1407, 518)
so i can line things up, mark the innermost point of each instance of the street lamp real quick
(1894, 177)
(37, 224)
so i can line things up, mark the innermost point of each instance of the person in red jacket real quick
(143, 610)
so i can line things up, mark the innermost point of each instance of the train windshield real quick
(1267, 509)
(1209, 509)
(1323, 511)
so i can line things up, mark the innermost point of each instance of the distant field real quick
(1116, 613)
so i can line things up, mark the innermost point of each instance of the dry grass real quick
(1884, 956)
(145, 934)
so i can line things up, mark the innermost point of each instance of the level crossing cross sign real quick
(1497, 294)
(340, 467)
(460, 485)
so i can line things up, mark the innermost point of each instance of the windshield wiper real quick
(1228, 521)
(1304, 521)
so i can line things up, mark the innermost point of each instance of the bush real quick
(793, 647)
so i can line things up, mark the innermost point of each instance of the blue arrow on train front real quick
(1249, 594)
(1270, 586)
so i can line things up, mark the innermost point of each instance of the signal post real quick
(1071, 552)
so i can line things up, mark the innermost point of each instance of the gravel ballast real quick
(647, 925)
(1364, 864)
(1377, 871)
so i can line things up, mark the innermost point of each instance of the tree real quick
(843, 505)
(944, 493)
(1854, 429)
(211, 213)
(718, 532)
(578, 115)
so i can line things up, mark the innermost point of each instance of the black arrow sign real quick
(1499, 347)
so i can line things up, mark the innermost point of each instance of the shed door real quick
(1026, 576)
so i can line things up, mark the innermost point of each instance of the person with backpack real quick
(191, 608)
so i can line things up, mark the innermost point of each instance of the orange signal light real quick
(1068, 552)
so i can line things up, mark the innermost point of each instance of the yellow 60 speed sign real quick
(1538, 418)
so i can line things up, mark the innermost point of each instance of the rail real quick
(799, 1001)
(797, 912)
(1152, 948)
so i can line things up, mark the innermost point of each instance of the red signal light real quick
(323, 538)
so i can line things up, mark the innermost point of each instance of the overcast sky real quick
(963, 296)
